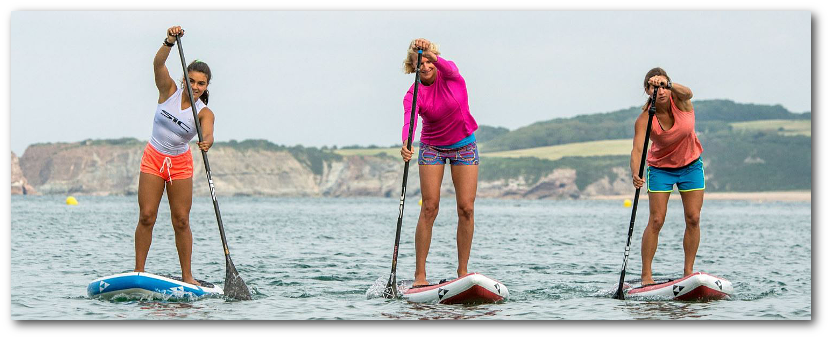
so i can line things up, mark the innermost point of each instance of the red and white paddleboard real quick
(473, 288)
(697, 286)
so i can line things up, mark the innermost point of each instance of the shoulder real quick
(205, 112)
(409, 92)
(683, 105)
(642, 119)
(171, 93)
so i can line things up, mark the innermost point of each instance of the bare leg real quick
(150, 190)
(431, 177)
(692, 203)
(657, 205)
(180, 195)
(465, 179)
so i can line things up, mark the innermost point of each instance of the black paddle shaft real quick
(651, 111)
(391, 290)
(234, 285)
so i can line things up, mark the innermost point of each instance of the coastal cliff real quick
(20, 186)
(111, 167)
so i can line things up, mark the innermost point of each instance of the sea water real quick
(326, 258)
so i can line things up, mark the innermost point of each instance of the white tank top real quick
(173, 127)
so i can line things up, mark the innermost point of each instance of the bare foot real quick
(192, 281)
(420, 283)
(647, 281)
(461, 273)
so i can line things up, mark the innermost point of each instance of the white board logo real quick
(676, 289)
(178, 291)
(441, 293)
(720, 286)
(498, 288)
(102, 286)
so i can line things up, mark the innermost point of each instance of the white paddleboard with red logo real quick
(697, 286)
(473, 288)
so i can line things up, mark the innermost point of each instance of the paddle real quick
(391, 290)
(234, 285)
(651, 111)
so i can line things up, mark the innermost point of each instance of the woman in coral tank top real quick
(674, 159)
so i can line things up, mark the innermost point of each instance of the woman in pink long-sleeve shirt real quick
(446, 134)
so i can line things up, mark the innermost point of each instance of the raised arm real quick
(682, 96)
(164, 82)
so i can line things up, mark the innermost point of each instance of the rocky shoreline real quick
(111, 167)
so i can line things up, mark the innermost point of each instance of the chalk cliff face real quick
(254, 172)
(19, 183)
(112, 168)
(83, 168)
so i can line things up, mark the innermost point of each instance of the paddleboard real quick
(473, 288)
(697, 286)
(142, 285)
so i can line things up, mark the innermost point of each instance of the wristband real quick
(169, 44)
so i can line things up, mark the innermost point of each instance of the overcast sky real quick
(334, 78)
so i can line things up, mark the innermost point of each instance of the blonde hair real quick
(411, 54)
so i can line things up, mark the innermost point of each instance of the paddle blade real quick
(234, 285)
(619, 295)
(391, 291)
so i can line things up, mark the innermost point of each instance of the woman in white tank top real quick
(167, 161)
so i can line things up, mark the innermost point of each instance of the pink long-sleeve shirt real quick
(443, 106)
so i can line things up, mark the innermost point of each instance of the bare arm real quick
(164, 82)
(682, 96)
(640, 126)
(206, 119)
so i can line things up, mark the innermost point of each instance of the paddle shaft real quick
(391, 286)
(651, 111)
(228, 262)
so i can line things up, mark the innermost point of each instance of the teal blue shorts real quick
(687, 178)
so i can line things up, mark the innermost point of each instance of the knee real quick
(430, 209)
(147, 218)
(655, 222)
(181, 223)
(465, 211)
(692, 220)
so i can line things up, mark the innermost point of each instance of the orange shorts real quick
(168, 167)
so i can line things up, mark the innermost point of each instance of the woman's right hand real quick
(172, 32)
(638, 182)
(406, 154)
(424, 44)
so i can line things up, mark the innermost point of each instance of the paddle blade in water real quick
(234, 285)
(391, 291)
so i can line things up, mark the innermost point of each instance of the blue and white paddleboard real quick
(142, 285)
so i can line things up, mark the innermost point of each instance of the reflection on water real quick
(443, 312)
(673, 310)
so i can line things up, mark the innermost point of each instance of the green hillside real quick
(747, 147)
(711, 116)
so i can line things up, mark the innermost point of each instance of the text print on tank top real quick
(174, 127)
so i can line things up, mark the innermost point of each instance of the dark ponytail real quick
(199, 66)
